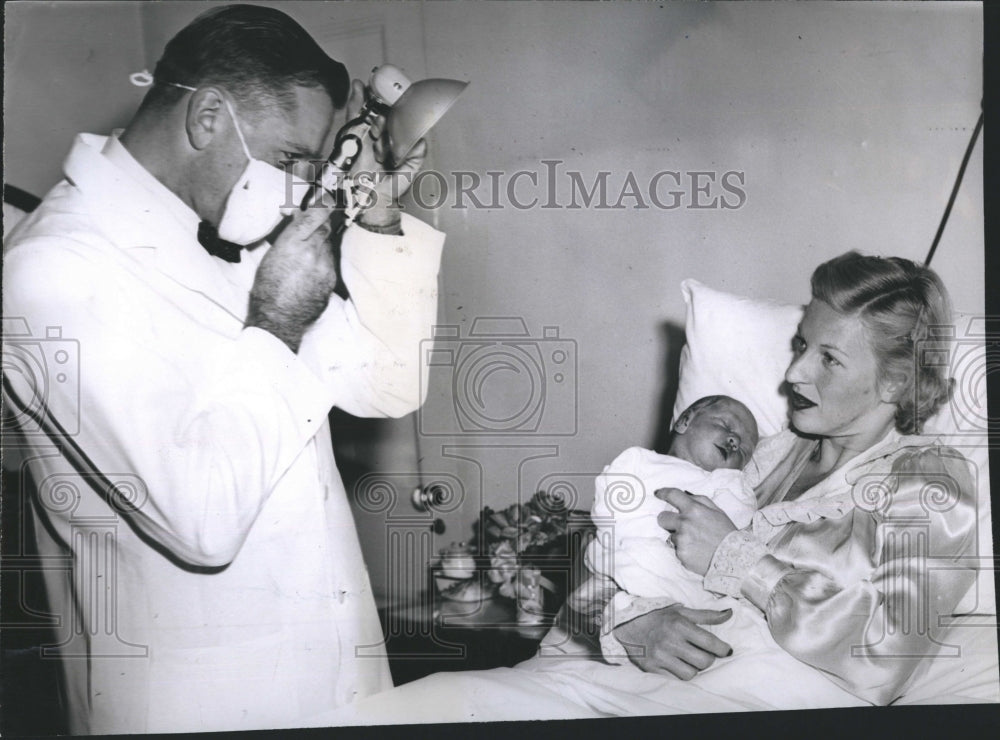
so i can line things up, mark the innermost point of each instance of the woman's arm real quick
(654, 634)
(664, 639)
(869, 635)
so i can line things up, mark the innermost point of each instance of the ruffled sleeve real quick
(916, 523)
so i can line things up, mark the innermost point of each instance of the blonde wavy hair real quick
(902, 306)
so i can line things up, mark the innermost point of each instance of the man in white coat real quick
(200, 553)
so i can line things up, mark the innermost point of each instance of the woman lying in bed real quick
(837, 561)
(865, 537)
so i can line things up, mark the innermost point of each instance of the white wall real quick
(66, 68)
(848, 120)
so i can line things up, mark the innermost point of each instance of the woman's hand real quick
(670, 641)
(696, 528)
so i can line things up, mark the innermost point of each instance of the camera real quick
(502, 380)
(963, 350)
(43, 372)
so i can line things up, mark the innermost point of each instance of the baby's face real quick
(722, 435)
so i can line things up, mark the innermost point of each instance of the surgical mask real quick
(259, 199)
(257, 202)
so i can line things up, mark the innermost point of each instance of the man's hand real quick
(296, 277)
(696, 528)
(381, 190)
(670, 641)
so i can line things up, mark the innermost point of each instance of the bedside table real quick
(432, 634)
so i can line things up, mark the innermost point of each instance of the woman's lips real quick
(800, 402)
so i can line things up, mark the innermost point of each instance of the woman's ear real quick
(204, 117)
(893, 387)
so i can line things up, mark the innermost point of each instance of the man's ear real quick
(205, 117)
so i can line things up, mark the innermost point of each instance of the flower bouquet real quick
(527, 553)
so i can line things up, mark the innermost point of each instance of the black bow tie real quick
(208, 237)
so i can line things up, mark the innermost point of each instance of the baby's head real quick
(715, 432)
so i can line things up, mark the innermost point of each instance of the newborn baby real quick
(712, 442)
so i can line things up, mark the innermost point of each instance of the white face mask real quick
(258, 200)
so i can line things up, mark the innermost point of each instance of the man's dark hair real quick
(256, 54)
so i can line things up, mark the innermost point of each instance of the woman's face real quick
(833, 378)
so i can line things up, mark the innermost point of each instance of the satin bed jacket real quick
(201, 556)
(859, 575)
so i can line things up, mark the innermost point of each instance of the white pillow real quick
(741, 347)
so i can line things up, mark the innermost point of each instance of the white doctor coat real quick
(201, 556)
